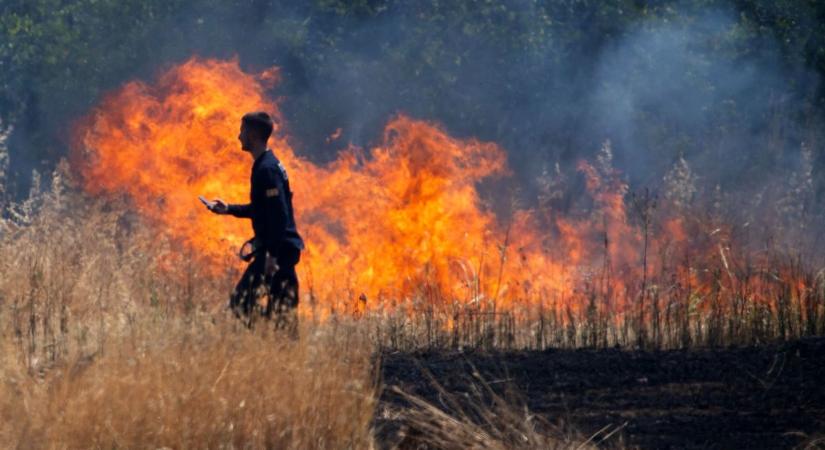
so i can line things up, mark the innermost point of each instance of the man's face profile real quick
(246, 138)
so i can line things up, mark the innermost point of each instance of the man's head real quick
(256, 127)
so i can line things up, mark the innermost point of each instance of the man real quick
(276, 247)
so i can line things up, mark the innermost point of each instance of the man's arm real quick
(219, 206)
(243, 211)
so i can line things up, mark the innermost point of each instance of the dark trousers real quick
(280, 289)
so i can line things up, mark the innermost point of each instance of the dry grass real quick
(480, 417)
(108, 342)
(180, 386)
(111, 339)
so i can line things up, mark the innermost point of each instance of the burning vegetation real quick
(401, 228)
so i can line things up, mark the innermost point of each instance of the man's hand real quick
(217, 206)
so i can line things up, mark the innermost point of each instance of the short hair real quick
(259, 121)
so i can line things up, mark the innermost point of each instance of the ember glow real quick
(401, 220)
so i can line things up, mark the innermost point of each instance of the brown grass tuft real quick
(170, 384)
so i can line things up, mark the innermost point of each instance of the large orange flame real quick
(166, 144)
(401, 220)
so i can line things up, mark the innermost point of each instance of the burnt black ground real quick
(771, 396)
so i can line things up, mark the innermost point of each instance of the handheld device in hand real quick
(209, 205)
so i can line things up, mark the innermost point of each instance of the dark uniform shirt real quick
(270, 207)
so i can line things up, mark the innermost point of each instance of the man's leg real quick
(283, 300)
(244, 295)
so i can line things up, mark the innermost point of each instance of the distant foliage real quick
(517, 73)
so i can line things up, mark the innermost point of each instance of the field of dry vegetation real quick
(105, 347)
(112, 338)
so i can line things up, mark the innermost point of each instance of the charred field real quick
(769, 396)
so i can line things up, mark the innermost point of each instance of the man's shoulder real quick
(267, 162)
(269, 167)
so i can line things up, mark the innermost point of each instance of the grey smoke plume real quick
(558, 82)
(721, 114)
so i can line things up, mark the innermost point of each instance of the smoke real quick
(717, 111)
(660, 90)
(548, 83)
